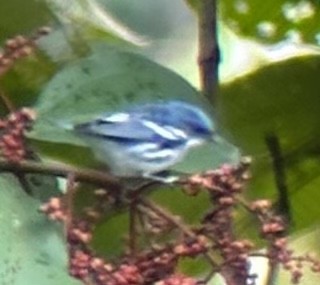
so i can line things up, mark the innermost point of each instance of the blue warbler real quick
(147, 139)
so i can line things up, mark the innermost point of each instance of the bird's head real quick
(197, 125)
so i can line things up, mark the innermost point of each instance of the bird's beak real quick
(216, 138)
(212, 137)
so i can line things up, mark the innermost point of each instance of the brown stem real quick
(209, 57)
(275, 150)
(99, 178)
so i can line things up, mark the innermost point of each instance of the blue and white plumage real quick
(147, 139)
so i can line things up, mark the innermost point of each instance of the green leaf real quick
(19, 17)
(274, 20)
(110, 235)
(280, 99)
(23, 82)
(32, 249)
(105, 81)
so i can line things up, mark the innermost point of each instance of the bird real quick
(148, 138)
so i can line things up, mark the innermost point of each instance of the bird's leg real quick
(166, 177)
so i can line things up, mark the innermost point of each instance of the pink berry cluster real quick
(155, 264)
(213, 239)
(19, 47)
(12, 134)
(224, 185)
(273, 230)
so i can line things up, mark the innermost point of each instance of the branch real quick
(99, 178)
(209, 57)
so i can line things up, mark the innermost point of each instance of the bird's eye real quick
(200, 129)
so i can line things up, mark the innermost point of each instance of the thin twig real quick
(169, 217)
(7, 102)
(274, 147)
(133, 227)
(177, 222)
(132, 196)
(209, 55)
(143, 225)
(69, 200)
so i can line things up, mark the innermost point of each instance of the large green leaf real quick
(105, 81)
(32, 249)
(281, 99)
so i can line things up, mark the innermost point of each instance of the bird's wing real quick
(126, 127)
